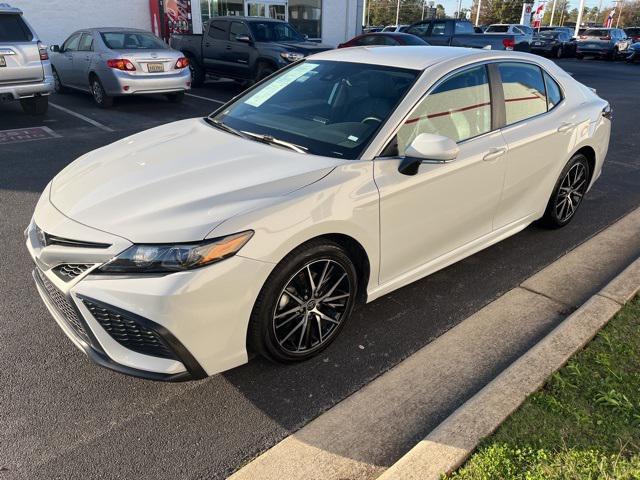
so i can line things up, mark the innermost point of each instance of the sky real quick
(451, 6)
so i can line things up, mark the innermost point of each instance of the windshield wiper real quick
(268, 139)
(224, 127)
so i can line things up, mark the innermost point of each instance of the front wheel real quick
(198, 75)
(559, 52)
(568, 193)
(304, 303)
(579, 56)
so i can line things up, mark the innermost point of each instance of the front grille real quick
(63, 306)
(69, 271)
(129, 332)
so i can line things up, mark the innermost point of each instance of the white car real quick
(171, 253)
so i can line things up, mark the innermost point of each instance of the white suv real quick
(25, 71)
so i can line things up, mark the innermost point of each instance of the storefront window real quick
(305, 16)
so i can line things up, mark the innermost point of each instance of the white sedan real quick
(172, 253)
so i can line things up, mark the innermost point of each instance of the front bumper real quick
(117, 82)
(199, 318)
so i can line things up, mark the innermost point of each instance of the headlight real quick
(177, 257)
(292, 56)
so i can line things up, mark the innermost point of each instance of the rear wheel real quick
(176, 97)
(99, 94)
(613, 55)
(559, 52)
(304, 303)
(35, 105)
(568, 193)
(198, 75)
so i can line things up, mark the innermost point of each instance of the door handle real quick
(565, 127)
(494, 153)
(228, 47)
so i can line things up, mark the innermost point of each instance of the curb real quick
(448, 446)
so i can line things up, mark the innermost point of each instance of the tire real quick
(57, 84)
(559, 52)
(176, 97)
(612, 56)
(264, 70)
(35, 105)
(285, 326)
(99, 94)
(570, 187)
(198, 75)
(579, 56)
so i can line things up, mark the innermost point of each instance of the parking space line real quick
(82, 117)
(205, 98)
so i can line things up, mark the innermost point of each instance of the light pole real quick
(620, 3)
(398, 14)
(478, 12)
(553, 11)
(459, 8)
(579, 19)
(424, 2)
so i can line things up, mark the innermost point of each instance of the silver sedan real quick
(111, 62)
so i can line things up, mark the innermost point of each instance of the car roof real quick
(112, 29)
(6, 8)
(411, 57)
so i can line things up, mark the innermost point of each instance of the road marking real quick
(19, 135)
(205, 98)
(82, 117)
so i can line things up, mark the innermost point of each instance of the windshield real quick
(131, 41)
(274, 32)
(326, 108)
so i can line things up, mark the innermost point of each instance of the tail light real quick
(607, 112)
(508, 43)
(182, 62)
(121, 64)
(608, 37)
(42, 49)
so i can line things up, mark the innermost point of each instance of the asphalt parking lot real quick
(63, 417)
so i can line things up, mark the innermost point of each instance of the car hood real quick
(309, 48)
(177, 182)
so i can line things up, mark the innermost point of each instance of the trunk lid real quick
(19, 53)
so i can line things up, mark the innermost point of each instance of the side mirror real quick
(55, 48)
(306, 37)
(243, 38)
(428, 148)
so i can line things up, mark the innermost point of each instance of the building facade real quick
(329, 21)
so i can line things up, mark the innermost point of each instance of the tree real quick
(630, 15)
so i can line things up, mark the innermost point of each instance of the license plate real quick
(155, 67)
(537, 43)
(3, 62)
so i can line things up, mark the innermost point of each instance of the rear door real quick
(440, 32)
(214, 45)
(82, 60)
(19, 54)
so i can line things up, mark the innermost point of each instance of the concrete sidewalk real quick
(365, 434)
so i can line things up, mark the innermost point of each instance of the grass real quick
(583, 424)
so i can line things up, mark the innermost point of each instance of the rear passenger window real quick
(218, 30)
(13, 29)
(86, 43)
(459, 108)
(463, 28)
(524, 91)
(554, 94)
(439, 28)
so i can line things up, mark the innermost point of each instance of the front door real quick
(238, 53)
(64, 60)
(444, 206)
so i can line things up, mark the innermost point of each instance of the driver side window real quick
(71, 45)
(459, 108)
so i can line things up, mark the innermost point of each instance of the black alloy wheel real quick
(568, 193)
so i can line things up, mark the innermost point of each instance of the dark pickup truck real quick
(243, 48)
(460, 33)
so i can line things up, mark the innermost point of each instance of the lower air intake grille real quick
(63, 306)
(129, 332)
(69, 271)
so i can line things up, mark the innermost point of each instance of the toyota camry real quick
(175, 252)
